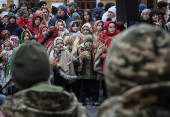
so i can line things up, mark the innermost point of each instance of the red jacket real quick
(34, 30)
(24, 23)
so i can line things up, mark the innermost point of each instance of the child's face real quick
(37, 21)
(75, 28)
(88, 44)
(7, 37)
(44, 31)
(7, 47)
(60, 45)
(86, 31)
(111, 28)
(110, 14)
(99, 26)
(16, 44)
(26, 36)
(60, 26)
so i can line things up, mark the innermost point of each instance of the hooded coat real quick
(66, 19)
(98, 12)
(33, 28)
(112, 9)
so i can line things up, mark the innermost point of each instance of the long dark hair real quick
(90, 18)
(9, 25)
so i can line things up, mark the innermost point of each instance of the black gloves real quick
(47, 36)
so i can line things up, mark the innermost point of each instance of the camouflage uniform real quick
(137, 70)
(30, 72)
(43, 100)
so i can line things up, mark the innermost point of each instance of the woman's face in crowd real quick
(26, 36)
(146, 16)
(7, 47)
(75, 28)
(45, 12)
(12, 20)
(44, 5)
(24, 17)
(88, 44)
(60, 45)
(86, 31)
(60, 26)
(37, 21)
(155, 17)
(5, 19)
(110, 14)
(111, 28)
(99, 26)
(86, 16)
(44, 31)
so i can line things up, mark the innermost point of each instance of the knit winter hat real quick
(76, 16)
(4, 9)
(10, 15)
(88, 38)
(3, 14)
(58, 40)
(29, 65)
(42, 2)
(63, 7)
(108, 5)
(14, 38)
(113, 10)
(23, 2)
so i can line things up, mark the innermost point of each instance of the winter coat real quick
(2, 27)
(33, 28)
(19, 12)
(163, 18)
(15, 31)
(39, 38)
(86, 68)
(53, 20)
(43, 100)
(24, 23)
(98, 13)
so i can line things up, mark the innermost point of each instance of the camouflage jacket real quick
(151, 100)
(43, 100)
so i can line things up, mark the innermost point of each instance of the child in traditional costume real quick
(59, 57)
(86, 73)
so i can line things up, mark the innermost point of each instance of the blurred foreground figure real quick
(36, 97)
(138, 74)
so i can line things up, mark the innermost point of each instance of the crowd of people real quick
(53, 63)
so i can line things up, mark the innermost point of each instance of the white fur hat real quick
(3, 14)
(113, 10)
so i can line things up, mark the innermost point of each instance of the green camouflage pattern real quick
(138, 74)
(43, 100)
(140, 55)
(151, 100)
